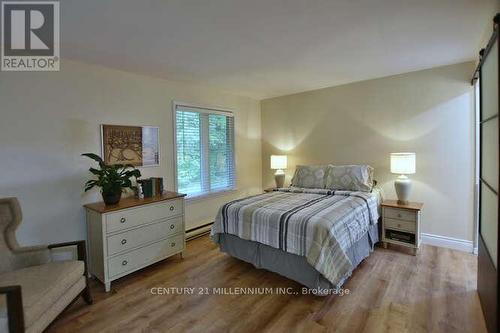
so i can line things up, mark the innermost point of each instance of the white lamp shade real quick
(403, 163)
(278, 161)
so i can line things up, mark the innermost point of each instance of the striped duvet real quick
(317, 224)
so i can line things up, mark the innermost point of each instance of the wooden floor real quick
(389, 292)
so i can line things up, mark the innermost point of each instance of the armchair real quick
(36, 288)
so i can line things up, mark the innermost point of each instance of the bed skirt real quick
(290, 265)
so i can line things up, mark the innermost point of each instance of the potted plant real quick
(112, 179)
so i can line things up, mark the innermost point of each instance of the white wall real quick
(429, 112)
(493, 7)
(48, 119)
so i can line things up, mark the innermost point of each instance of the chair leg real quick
(87, 296)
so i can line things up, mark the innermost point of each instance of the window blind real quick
(205, 150)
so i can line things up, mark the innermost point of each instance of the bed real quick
(316, 237)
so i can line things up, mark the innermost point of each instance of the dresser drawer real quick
(400, 225)
(145, 214)
(133, 238)
(144, 256)
(400, 214)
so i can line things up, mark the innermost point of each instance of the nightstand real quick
(401, 224)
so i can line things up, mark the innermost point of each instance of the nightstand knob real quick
(172, 245)
(124, 241)
(172, 226)
(171, 208)
(124, 262)
(122, 220)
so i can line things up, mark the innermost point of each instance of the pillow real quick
(309, 176)
(349, 177)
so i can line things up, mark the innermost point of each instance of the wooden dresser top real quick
(100, 207)
(410, 205)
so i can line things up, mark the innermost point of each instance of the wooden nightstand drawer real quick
(400, 214)
(400, 225)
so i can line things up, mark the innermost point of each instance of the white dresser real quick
(133, 234)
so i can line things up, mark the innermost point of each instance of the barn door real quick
(487, 279)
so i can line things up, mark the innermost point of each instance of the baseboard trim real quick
(430, 239)
(198, 231)
(448, 242)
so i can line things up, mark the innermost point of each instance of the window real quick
(204, 140)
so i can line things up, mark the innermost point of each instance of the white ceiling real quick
(265, 48)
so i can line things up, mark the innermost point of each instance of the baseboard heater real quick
(198, 231)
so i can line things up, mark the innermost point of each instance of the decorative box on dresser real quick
(401, 224)
(133, 234)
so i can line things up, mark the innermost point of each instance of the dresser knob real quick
(171, 208)
(399, 225)
(399, 215)
(172, 245)
(172, 226)
(122, 220)
(124, 241)
(124, 262)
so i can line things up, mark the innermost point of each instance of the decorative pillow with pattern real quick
(309, 176)
(349, 178)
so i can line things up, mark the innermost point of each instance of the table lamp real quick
(403, 164)
(278, 163)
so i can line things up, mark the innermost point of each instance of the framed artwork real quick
(136, 145)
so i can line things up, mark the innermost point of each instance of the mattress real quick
(322, 227)
(293, 266)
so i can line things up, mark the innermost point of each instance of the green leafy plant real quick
(112, 179)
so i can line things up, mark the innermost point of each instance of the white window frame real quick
(213, 110)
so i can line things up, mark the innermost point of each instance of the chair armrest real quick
(15, 312)
(81, 250)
